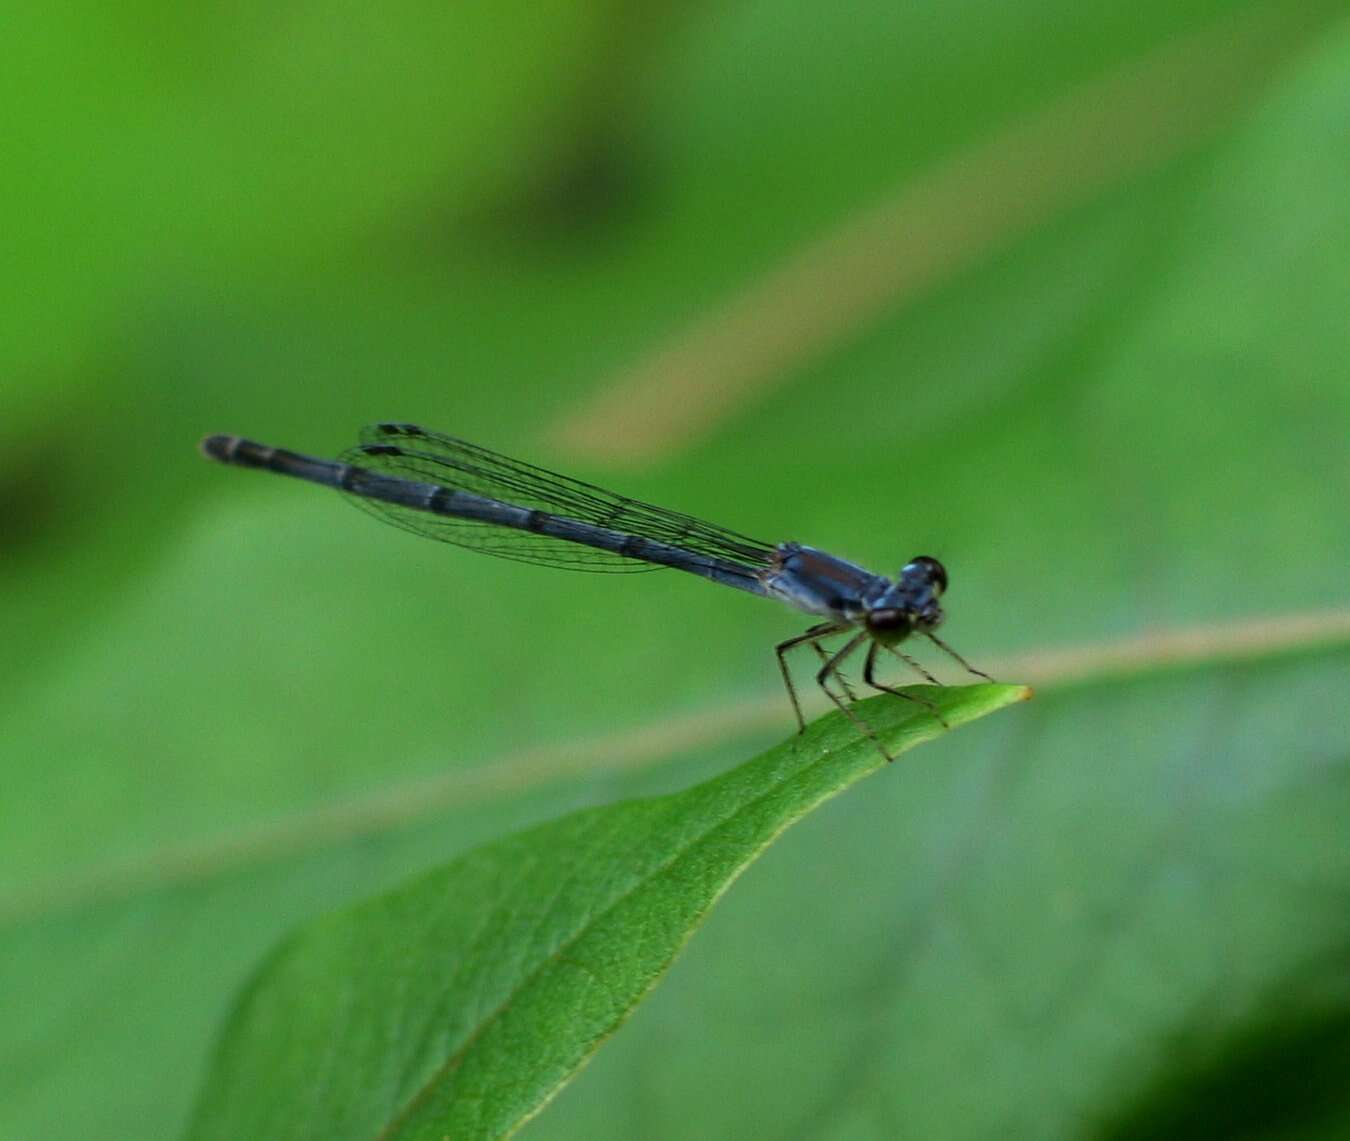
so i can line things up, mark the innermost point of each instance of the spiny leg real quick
(918, 669)
(869, 676)
(824, 655)
(831, 669)
(840, 704)
(941, 645)
(812, 635)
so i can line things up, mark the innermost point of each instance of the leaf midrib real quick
(455, 1060)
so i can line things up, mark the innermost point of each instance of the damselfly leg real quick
(869, 676)
(813, 635)
(965, 665)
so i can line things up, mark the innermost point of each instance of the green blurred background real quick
(1055, 291)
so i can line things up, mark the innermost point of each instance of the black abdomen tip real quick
(219, 447)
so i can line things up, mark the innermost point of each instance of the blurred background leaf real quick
(1054, 292)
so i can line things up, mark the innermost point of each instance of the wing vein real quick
(406, 451)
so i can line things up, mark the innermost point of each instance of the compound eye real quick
(936, 572)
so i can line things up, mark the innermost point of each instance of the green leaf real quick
(1120, 913)
(459, 1004)
(1102, 376)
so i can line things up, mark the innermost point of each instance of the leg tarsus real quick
(869, 676)
(965, 665)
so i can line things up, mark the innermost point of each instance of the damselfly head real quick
(924, 570)
(910, 605)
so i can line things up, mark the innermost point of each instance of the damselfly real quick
(457, 492)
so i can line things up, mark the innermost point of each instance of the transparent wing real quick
(409, 452)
